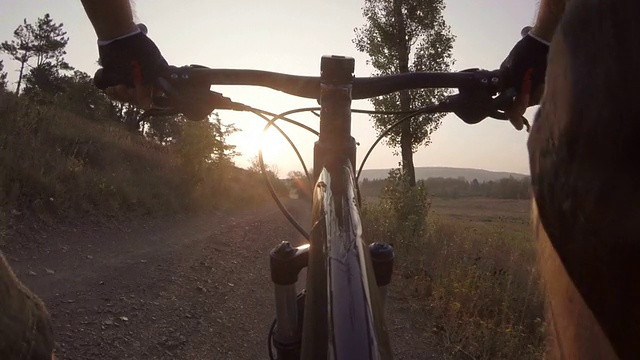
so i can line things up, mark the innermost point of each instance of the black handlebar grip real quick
(103, 80)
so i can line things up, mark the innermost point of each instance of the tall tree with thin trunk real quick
(20, 48)
(40, 46)
(402, 36)
(49, 45)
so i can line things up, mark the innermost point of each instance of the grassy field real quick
(510, 216)
(472, 278)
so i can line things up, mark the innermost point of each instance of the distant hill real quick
(423, 173)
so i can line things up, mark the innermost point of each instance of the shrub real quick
(399, 216)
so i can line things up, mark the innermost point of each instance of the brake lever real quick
(502, 102)
(474, 104)
(501, 115)
(505, 99)
(182, 96)
(469, 106)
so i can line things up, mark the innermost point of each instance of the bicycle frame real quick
(341, 314)
(341, 284)
(343, 311)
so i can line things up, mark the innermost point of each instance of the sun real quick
(276, 150)
(248, 140)
(273, 143)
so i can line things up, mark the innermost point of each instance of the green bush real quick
(399, 217)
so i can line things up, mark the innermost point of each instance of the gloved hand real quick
(130, 65)
(524, 69)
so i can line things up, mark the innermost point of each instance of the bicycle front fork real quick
(286, 264)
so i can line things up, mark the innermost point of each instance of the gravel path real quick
(184, 288)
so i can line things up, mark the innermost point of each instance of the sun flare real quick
(249, 140)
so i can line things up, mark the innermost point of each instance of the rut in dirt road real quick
(180, 289)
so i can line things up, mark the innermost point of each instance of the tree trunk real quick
(406, 145)
(406, 138)
(20, 77)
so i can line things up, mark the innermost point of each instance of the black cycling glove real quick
(525, 67)
(129, 60)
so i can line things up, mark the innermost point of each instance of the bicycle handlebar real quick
(309, 86)
(187, 89)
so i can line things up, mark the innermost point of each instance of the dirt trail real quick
(195, 288)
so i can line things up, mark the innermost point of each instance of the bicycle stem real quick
(335, 138)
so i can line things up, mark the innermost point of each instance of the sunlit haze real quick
(291, 36)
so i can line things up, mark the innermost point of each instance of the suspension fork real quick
(286, 264)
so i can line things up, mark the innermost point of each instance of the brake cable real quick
(271, 122)
(265, 174)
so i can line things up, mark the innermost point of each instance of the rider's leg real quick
(583, 151)
(25, 325)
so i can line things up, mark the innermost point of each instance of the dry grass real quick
(473, 279)
(59, 166)
(54, 163)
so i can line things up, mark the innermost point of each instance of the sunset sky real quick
(290, 36)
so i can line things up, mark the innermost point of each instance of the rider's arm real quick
(110, 19)
(525, 66)
(126, 53)
(549, 15)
